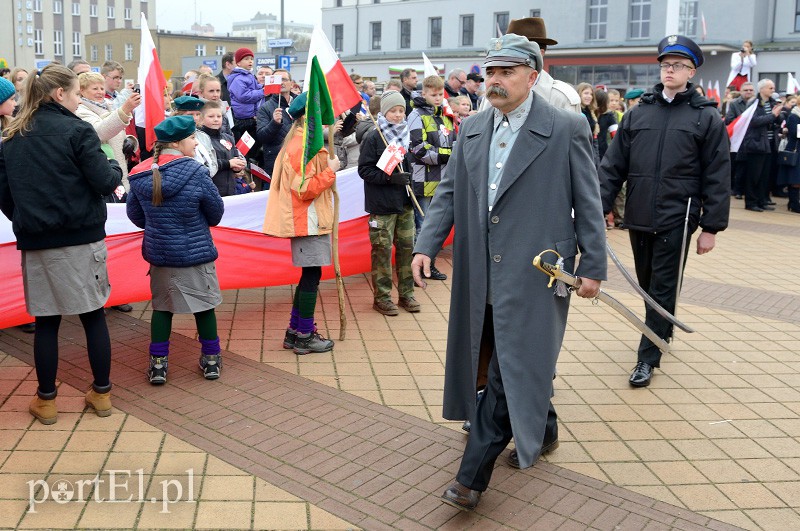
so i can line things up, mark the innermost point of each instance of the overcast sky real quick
(178, 15)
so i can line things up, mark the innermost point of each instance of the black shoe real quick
(461, 497)
(313, 342)
(125, 308)
(28, 328)
(513, 458)
(436, 274)
(641, 375)
(289, 339)
(211, 366)
(771, 203)
(767, 207)
(738, 196)
(754, 209)
(466, 426)
(157, 373)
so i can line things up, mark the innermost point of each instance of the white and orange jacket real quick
(293, 209)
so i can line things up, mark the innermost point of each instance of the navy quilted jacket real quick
(176, 233)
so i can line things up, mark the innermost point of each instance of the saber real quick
(555, 273)
(682, 256)
(646, 296)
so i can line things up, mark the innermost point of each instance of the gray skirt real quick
(185, 289)
(311, 251)
(65, 280)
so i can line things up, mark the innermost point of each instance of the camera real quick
(137, 89)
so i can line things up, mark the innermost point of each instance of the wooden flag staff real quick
(335, 238)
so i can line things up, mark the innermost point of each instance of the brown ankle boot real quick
(44, 410)
(101, 402)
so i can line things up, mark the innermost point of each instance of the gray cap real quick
(513, 50)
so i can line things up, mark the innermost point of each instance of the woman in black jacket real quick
(61, 233)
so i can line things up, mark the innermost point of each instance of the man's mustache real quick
(497, 91)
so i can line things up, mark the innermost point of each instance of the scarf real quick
(393, 132)
(796, 110)
(103, 106)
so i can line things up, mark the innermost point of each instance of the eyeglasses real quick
(462, 81)
(115, 78)
(676, 67)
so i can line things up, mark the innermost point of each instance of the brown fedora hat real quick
(533, 28)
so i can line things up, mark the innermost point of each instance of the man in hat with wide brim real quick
(555, 92)
(672, 150)
(516, 174)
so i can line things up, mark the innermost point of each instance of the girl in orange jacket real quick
(301, 208)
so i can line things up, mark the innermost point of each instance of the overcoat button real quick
(497, 258)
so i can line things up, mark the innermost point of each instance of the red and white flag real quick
(392, 156)
(717, 93)
(792, 86)
(245, 143)
(189, 86)
(152, 84)
(738, 127)
(612, 130)
(344, 94)
(272, 84)
(703, 25)
(261, 173)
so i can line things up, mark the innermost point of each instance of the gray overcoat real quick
(550, 172)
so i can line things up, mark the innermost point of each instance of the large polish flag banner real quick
(247, 257)
(738, 127)
(152, 85)
(343, 93)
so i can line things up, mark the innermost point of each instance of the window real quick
(640, 19)
(111, 12)
(93, 10)
(93, 53)
(405, 34)
(58, 43)
(109, 53)
(501, 23)
(375, 35)
(338, 3)
(779, 78)
(797, 15)
(467, 30)
(688, 18)
(38, 43)
(598, 20)
(37, 6)
(200, 50)
(436, 32)
(127, 13)
(219, 50)
(536, 12)
(128, 51)
(76, 43)
(76, 8)
(57, 7)
(338, 37)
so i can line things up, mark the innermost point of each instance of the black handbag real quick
(787, 158)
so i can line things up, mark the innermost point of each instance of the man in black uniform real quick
(672, 148)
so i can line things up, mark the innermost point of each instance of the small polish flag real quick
(272, 84)
(188, 85)
(392, 156)
(738, 127)
(257, 171)
(245, 143)
(612, 129)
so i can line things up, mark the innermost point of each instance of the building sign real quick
(280, 43)
(210, 63)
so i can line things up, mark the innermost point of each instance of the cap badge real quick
(672, 39)
(498, 45)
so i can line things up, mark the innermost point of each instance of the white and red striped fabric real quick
(152, 84)
(343, 92)
(738, 127)
(272, 84)
(245, 143)
(238, 238)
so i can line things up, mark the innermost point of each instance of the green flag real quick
(319, 112)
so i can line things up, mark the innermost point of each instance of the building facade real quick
(122, 45)
(264, 27)
(35, 32)
(603, 42)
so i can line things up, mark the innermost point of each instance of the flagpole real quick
(335, 237)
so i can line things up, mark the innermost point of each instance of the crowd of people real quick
(656, 162)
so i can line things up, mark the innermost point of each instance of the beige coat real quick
(110, 127)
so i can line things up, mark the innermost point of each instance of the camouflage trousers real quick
(385, 230)
(618, 207)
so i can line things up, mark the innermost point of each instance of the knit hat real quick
(188, 103)
(241, 53)
(298, 106)
(175, 128)
(6, 89)
(391, 99)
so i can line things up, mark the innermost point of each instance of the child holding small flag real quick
(273, 122)
(300, 207)
(386, 198)
(228, 160)
(173, 199)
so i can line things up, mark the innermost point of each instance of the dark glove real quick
(400, 178)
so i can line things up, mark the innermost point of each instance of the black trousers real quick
(491, 427)
(659, 265)
(757, 166)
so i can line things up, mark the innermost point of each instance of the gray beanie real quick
(391, 99)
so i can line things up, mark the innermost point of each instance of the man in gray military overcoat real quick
(517, 174)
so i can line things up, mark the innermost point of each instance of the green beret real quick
(633, 94)
(188, 103)
(298, 106)
(175, 128)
